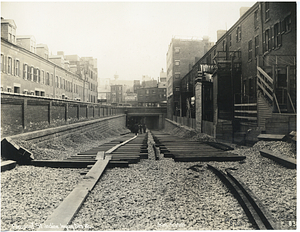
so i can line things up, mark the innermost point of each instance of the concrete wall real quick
(20, 114)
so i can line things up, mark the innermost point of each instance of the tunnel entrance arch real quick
(152, 121)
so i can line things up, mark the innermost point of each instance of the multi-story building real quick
(117, 95)
(149, 83)
(248, 79)
(162, 79)
(181, 56)
(131, 99)
(27, 68)
(152, 96)
(136, 85)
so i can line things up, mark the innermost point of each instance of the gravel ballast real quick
(30, 194)
(150, 195)
(161, 195)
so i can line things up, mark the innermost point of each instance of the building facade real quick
(117, 94)
(181, 56)
(27, 68)
(249, 77)
(152, 97)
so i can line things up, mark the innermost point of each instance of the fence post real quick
(78, 111)
(24, 114)
(66, 111)
(49, 112)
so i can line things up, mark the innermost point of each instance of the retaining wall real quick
(23, 113)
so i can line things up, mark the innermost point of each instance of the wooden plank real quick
(62, 163)
(245, 117)
(247, 104)
(280, 158)
(246, 111)
(265, 74)
(8, 165)
(271, 137)
(210, 158)
(65, 212)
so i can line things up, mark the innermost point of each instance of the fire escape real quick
(229, 81)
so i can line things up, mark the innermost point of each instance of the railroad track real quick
(183, 150)
(252, 206)
(131, 149)
(120, 153)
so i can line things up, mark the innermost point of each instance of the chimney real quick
(220, 33)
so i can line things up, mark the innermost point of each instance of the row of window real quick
(12, 67)
(272, 37)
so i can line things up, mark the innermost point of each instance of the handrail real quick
(277, 103)
(265, 74)
(291, 102)
(266, 84)
(266, 92)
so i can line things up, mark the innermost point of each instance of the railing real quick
(265, 83)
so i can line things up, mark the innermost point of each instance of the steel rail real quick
(254, 209)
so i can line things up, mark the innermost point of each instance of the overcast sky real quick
(130, 39)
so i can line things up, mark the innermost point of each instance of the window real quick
(38, 73)
(256, 45)
(2, 63)
(177, 49)
(31, 73)
(238, 34)
(267, 11)
(224, 45)
(177, 89)
(177, 62)
(17, 68)
(287, 24)
(250, 50)
(9, 65)
(277, 35)
(35, 75)
(56, 81)
(230, 40)
(43, 77)
(267, 42)
(177, 75)
(16, 89)
(47, 81)
(25, 71)
(61, 82)
(256, 19)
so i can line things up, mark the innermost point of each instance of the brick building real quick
(248, 79)
(181, 55)
(27, 68)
